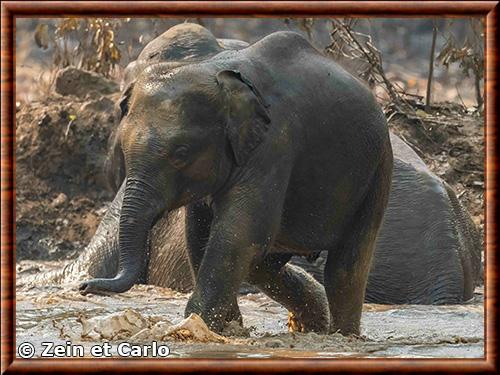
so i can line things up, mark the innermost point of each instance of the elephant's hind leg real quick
(296, 290)
(348, 264)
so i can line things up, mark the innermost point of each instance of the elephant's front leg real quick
(348, 265)
(224, 267)
(242, 229)
(199, 218)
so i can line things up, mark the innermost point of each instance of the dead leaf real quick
(42, 35)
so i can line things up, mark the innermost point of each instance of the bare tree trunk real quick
(431, 68)
(479, 94)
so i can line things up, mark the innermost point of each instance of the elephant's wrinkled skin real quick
(275, 150)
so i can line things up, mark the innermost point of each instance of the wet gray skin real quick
(425, 228)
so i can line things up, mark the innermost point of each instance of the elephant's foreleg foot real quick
(217, 317)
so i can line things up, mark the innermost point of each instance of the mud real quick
(148, 313)
(61, 192)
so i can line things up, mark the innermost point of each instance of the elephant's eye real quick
(181, 152)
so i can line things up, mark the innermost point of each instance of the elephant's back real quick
(287, 65)
(428, 249)
(416, 257)
(402, 151)
(180, 42)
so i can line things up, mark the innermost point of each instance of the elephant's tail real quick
(470, 240)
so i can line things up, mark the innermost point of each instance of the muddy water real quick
(55, 314)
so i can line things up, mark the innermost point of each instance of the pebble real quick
(59, 200)
(274, 344)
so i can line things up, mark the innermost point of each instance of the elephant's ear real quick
(114, 164)
(247, 117)
(123, 102)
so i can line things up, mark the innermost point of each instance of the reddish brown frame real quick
(11, 10)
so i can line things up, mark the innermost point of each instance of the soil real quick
(61, 190)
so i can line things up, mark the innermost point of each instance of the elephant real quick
(275, 150)
(410, 241)
(455, 246)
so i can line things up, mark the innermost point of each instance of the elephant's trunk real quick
(139, 209)
(141, 206)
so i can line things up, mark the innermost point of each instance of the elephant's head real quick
(183, 133)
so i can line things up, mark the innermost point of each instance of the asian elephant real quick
(445, 241)
(427, 252)
(275, 150)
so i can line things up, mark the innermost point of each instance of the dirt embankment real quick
(61, 144)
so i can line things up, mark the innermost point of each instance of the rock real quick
(141, 336)
(77, 82)
(132, 325)
(59, 200)
(159, 331)
(103, 104)
(194, 328)
(117, 326)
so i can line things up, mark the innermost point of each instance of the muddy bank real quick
(60, 314)
(61, 145)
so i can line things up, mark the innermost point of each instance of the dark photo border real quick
(10, 10)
